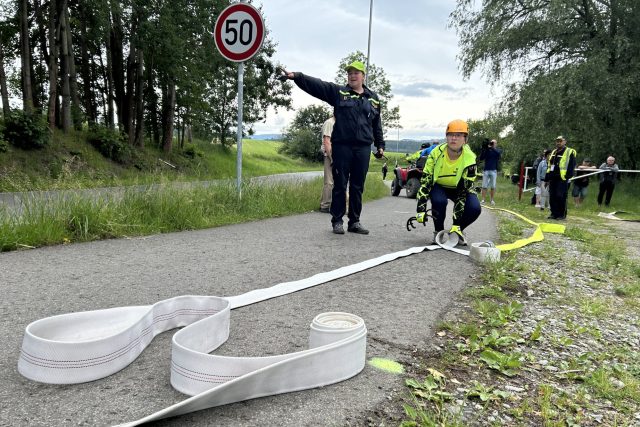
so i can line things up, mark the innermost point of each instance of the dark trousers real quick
(558, 191)
(440, 196)
(350, 166)
(606, 187)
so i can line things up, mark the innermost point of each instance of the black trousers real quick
(558, 190)
(350, 166)
(606, 187)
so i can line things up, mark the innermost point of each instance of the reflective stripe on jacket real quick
(466, 176)
(357, 115)
(564, 162)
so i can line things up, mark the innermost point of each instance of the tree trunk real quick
(64, 68)
(25, 56)
(139, 140)
(117, 67)
(6, 110)
(53, 70)
(152, 102)
(86, 74)
(169, 105)
(109, 119)
(76, 114)
(129, 105)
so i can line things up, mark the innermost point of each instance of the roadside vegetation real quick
(548, 336)
(70, 217)
(70, 162)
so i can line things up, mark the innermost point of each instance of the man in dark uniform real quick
(561, 167)
(358, 124)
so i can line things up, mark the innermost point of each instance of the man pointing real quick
(358, 124)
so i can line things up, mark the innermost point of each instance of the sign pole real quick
(238, 34)
(239, 136)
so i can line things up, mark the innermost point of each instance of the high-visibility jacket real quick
(566, 164)
(466, 176)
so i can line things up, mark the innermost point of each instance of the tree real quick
(582, 66)
(302, 137)
(378, 82)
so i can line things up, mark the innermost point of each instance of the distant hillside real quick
(402, 146)
(267, 137)
(407, 145)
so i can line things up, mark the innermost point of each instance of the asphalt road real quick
(400, 302)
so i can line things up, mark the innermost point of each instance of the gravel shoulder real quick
(577, 338)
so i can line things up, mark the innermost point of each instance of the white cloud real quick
(410, 41)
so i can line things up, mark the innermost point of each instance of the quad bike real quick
(408, 178)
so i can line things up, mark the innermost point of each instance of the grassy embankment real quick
(70, 163)
(545, 336)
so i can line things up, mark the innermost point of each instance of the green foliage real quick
(302, 143)
(4, 145)
(192, 151)
(378, 82)
(582, 66)
(505, 363)
(302, 138)
(25, 131)
(487, 393)
(110, 143)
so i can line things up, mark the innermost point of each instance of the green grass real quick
(162, 210)
(70, 162)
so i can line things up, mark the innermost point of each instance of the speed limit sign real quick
(239, 32)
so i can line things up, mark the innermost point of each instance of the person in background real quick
(449, 174)
(607, 180)
(325, 147)
(579, 189)
(358, 124)
(561, 166)
(535, 198)
(491, 156)
(542, 191)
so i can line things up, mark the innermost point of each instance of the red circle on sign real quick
(253, 47)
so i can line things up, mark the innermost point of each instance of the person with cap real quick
(607, 180)
(560, 168)
(356, 109)
(449, 174)
(579, 185)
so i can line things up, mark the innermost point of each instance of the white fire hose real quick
(86, 346)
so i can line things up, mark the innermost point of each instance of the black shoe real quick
(561, 218)
(551, 217)
(325, 210)
(357, 228)
(338, 228)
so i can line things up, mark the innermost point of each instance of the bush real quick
(25, 131)
(302, 143)
(110, 143)
(191, 151)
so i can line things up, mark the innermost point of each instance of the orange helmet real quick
(458, 126)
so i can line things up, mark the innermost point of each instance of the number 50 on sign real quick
(239, 32)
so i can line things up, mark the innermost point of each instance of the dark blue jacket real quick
(491, 157)
(357, 115)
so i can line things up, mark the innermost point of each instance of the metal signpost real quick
(239, 33)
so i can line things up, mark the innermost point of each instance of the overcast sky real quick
(409, 40)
